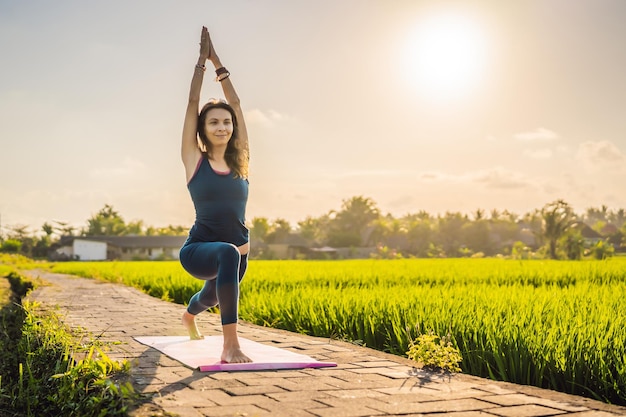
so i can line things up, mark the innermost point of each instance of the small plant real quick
(385, 252)
(11, 246)
(19, 285)
(435, 352)
(603, 250)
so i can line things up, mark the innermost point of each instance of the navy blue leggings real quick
(221, 266)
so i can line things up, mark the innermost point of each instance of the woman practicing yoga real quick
(215, 155)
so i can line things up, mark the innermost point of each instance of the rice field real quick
(553, 324)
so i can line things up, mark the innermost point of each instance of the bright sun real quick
(445, 55)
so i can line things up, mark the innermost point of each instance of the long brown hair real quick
(236, 155)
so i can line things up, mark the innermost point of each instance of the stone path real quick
(365, 382)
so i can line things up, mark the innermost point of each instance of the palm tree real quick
(557, 216)
(618, 218)
(510, 216)
(573, 244)
(533, 222)
(347, 226)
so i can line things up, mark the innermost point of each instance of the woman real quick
(216, 166)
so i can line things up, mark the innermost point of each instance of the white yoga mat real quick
(205, 354)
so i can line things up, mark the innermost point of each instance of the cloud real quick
(267, 118)
(500, 178)
(496, 177)
(538, 154)
(538, 135)
(433, 176)
(601, 155)
(406, 200)
(130, 168)
(376, 173)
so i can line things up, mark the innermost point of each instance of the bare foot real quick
(232, 351)
(234, 355)
(189, 321)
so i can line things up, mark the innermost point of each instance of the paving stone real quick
(248, 390)
(449, 385)
(299, 396)
(394, 374)
(281, 374)
(184, 372)
(204, 384)
(363, 384)
(167, 376)
(222, 398)
(321, 379)
(265, 402)
(335, 402)
(183, 412)
(184, 398)
(224, 375)
(357, 411)
(494, 389)
(274, 381)
(511, 399)
(234, 410)
(149, 388)
(389, 372)
(342, 365)
(530, 410)
(436, 406)
(289, 412)
(412, 391)
(165, 361)
(428, 394)
(378, 363)
(335, 372)
(357, 393)
(560, 405)
(398, 399)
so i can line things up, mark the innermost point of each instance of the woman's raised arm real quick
(190, 153)
(223, 76)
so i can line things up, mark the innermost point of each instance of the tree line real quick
(106, 222)
(555, 231)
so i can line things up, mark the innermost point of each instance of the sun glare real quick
(445, 55)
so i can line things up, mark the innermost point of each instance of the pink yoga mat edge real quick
(255, 366)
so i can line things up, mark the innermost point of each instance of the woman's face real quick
(218, 126)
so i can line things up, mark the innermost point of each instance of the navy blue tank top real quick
(220, 203)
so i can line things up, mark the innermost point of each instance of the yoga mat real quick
(205, 354)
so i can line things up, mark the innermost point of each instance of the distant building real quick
(609, 229)
(125, 248)
(291, 246)
(590, 236)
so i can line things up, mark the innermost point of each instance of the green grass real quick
(38, 373)
(552, 324)
(5, 288)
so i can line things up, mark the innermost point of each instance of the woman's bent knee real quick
(229, 252)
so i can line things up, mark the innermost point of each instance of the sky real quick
(419, 105)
